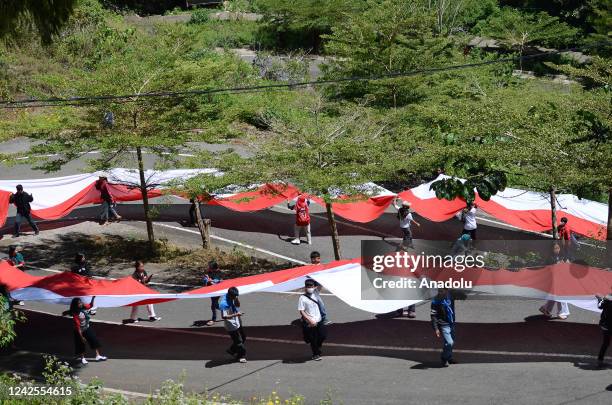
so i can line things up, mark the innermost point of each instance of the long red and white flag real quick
(573, 283)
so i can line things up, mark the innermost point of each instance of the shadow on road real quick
(394, 338)
(280, 223)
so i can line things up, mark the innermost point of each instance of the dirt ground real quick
(111, 251)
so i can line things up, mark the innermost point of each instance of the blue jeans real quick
(19, 218)
(214, 305)
(448, 334)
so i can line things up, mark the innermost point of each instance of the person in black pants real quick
(313, 326)
(230, 311)
(605, 323)
(83, 333)
(22, 201)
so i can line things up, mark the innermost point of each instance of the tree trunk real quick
(145, 199)
(609, 230)
(334, 230)
(203, 226)
(553, 211)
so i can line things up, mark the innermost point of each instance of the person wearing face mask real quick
(313, 326)
(230, 311)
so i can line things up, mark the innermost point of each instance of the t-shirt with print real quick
(310, 306)
(81, 320)
(233, 323)
(470, 219)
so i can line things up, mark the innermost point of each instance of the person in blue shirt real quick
(211, 278)
(443, 322)
(232, 317)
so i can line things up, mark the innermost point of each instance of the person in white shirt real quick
(406, 219)
(468, 216)
(313, 326)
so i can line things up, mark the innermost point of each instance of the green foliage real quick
(390, 36)
(300, 25)
(520, 29)
(200, 16)
(486, 182)
(45, 16)
(9, 318)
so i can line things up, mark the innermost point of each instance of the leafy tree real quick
(124, 130)
(46, 16)
(301, 24)
(388, 37)
(591, 142)
(332, 151)
(518, 29)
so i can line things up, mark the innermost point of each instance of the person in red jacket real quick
(108, 202)
(301, 205)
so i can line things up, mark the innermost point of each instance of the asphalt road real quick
(507, 353)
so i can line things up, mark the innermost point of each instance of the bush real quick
(199, 16)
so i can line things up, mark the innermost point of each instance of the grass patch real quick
(110, 254)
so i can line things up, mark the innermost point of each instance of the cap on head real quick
(19, 187)
(309, 282)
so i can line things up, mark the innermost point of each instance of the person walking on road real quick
(301, 205)
(605, 323)
(211, 278)
(468, 217)
(83, 332)
(562, 307)
(313, 327)
(569, 244)
(108, 201)
(143, 278)
(315, 258)
(405, 220)
(22, 201)
(232, 317)
(15, 258)
(443, 322)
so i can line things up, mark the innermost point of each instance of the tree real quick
(591, 142)
(301, 24)
(388, 37)
(329, 151)
(518, 30)
(121, 130)
(46, 16)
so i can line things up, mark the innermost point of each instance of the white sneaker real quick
(154, 318)
(295, 241)
(101, 358)
(243, 360)
(83, 360)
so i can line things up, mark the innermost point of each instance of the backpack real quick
(302, 214)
